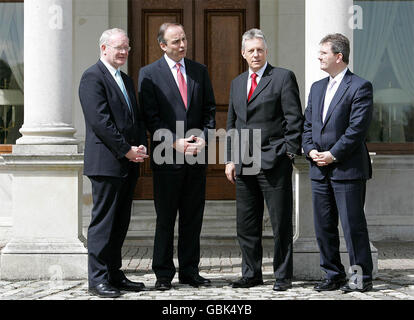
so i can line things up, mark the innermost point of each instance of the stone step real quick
(219, 224)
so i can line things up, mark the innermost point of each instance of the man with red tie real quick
(264, 99)
(176, 92)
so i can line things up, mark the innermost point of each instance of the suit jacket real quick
(163, 106)
(344, 131)
(110, 127)
(274, 108)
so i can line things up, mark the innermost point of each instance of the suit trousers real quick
(275, 187)
(111, 214)
(343, 198)
(178, 190)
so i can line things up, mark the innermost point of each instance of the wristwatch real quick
(334, 159)
(290, 155)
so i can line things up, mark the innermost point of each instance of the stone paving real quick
(222, 265)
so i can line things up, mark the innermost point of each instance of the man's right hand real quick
(314, 154)
(137, 154)
(187, 145)
(231, 172)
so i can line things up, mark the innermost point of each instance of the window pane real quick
(383, 54)
(11, 71)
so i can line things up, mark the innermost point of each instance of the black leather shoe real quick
(366, 286)
(282, 285)
(128, 285)
(163, 284)
(330, 285)
(194, 280)
(247, 282)
(104, 290)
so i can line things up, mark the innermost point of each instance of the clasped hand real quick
(137, 154)
(190, 146)
(321, 158)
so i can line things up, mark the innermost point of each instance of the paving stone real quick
(222, 266)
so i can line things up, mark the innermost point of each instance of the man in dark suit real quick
(337, 119)
(266, 99)
(176, 92)
(115, 143)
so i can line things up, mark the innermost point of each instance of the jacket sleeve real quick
(209, 107)
(94, 102)
(230, 128)
(292, 111)
(307, 141)
(359, 121)
(149, 104)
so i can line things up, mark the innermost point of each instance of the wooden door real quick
(214, 29)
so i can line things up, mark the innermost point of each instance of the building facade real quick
(43, 126)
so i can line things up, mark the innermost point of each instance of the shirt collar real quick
(171, 63)
(338, 78)
(111, 69)
(258, 72)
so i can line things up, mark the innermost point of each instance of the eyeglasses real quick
(120, 48)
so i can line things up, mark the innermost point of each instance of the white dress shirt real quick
(172, 64)
(111, 69)
(331, 89)
(259, 76)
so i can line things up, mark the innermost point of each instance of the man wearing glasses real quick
(115, 144)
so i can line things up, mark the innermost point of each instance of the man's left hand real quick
(324, 158)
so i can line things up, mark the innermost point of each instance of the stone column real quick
(305, 249)
(45, 164)
(48, 73)
(322, 17)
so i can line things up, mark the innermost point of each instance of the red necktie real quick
(253, 86)
(182, 85)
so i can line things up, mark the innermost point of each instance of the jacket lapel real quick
(264, 81)
(343, 87)
(131, 95)
(113, 83)
(321, 97)
(190, 83)
(242, 95)
(170, 81)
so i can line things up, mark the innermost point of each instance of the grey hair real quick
(107, 34)
(252, 34)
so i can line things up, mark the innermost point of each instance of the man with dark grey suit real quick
(265, 99)
(175, 91)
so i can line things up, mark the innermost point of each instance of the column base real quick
(43, 260)
(306, 259)
(47, 206)
(47, 135)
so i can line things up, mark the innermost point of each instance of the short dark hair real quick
(339, 44)
(163, 28)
